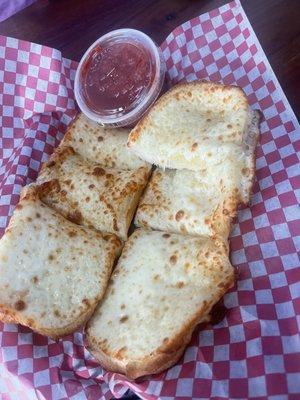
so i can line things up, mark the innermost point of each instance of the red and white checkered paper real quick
(255, 351)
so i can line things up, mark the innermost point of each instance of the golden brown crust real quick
(5, 317)
(9, 315)
(68, 134)
(257, 114)
(131, 211)
(135, 369)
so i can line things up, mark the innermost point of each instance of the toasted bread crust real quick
(6, 318)
(257, 117)
(135, 369)
(11, 316)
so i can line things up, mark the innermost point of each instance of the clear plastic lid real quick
(119, 77)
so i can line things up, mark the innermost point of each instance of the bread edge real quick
(10, 316)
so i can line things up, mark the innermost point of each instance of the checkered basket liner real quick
(255, 351)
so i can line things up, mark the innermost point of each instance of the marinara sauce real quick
(119, 77)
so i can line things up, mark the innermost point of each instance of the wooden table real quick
(72, 25)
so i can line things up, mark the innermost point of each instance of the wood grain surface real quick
(72, 25)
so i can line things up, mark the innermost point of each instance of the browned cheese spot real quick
(194, 146)
(75, 217)
(122, 306)
(56, 313)
(179, 285)
(51, 257)
(124, 319)
(98, 171)
(87, 199)
(187, 266)
(20, 305)
(166, 235)
(229, 126)
(91, 186)
(179, 215)
(246, 171)
(115, 225)
(35, 279)
(51, 164)
(100, 139)
(173, 259)
(72, 234)
(86, 302)
(38, 215)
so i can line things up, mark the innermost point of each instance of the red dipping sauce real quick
(114, 77)
(119, 77)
